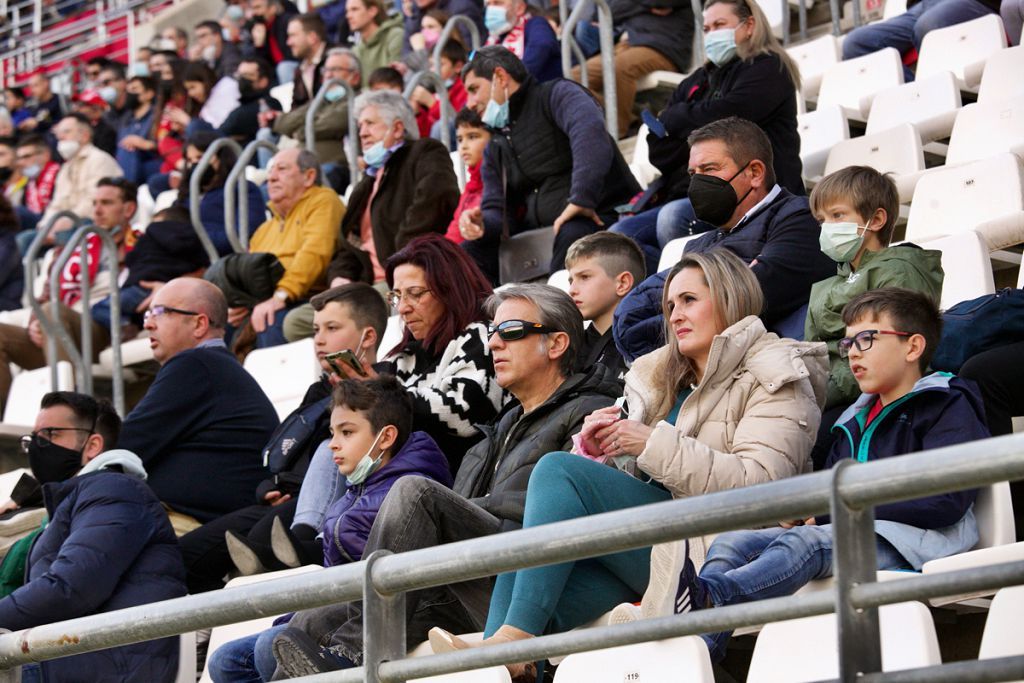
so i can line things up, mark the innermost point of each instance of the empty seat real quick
(967, 268)
(675, 659)
(897, 151)
(560, 279)
(672, 251)
(853, 83)
(929, 104)
(813, 58)
(985, 196)
(984, 130)
(1004, 624)
(820, 130)
(1001, 80)
(808, 649)
(284, 373)
(27, 391)
(963, 49)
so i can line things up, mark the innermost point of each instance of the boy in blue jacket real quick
(373, 447)
(890, 337)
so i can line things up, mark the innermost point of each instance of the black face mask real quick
(131, 100)
(53, 463)
(5, 173)
(246, 88)
(714, 198)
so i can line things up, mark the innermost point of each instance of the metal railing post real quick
(836, 10)
(854, 564)
(194, 199)
(434, 79)
(446, 34)
(240, 240)
(605, 29)
(383, 622)
(351, 139)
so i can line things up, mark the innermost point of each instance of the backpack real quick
(978, 325)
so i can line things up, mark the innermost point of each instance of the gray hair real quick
(345, 52)
(307, 160)
(555, 309)
(391, 106)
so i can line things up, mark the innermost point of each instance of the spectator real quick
(427, 104)
(107, 546)
(268, 37)
(114, 91)
(11, 181)
(386, 78)
(210, 100)
(14, 101)
(12, 275)
(220, 55)
(467, 8)
(45, 108)
(93, 107)
(380, 36)
(307, 39)
(553, 165)
(333, 14)
(254, 100)
(904, 411)
(732, 186)
(724, 404)
(40, 171)
(489, 491)
(162, 65)
(1012, 12)
(93, 67)
(200, 447)
(471, 137)
(420, 57)
(178, 37)
(754, 79)
(301, 233)
(906, 31)
(657, 35)
(419, 196)
(136, 139)
(511, 25)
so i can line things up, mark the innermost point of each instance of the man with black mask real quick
(733, 188)
(108, 544)
(253, 77)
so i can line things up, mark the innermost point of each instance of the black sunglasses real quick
(512, 330)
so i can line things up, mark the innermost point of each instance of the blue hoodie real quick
(348, 522)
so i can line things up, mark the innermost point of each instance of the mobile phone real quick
(347, 357)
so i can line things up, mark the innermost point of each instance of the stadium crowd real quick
(793, 333)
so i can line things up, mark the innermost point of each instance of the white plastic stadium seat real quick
(676, 659)
(963, 49)
(492, 674)
(643, 170)
(283, 94)
(186, 658)
(672, 251)
(897, 151)
(456, 164)
(1004, 624)
(820, 130)
(893, 8)
(984, 130)
(985, 196)
(560, 279)
(1001, 80)
(853, 83)
(813, 58)
(392, 336)
(777, 14)
(967, 268)
(907, 635)
(669, 79)
(929, 104)
(27, 390)
(284, 373)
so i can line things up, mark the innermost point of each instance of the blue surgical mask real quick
(109, 94)
(32, 171)
(496, 20)
(138, 69)
(376, 155)
(334, 94)
(496, 115)
(235, 13)
(720, 45)
(367, 465)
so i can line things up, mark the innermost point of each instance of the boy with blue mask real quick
(857, 207)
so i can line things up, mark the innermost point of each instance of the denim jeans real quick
(744, 566)
(906, 31)
(31, 673)
(654, 228)
(321, 487)
(246, 660)
(263, 155)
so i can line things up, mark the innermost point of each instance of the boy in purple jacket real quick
(891, 335)
(373, 447)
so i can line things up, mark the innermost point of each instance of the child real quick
(373, 447)
(890, 337)
(603, 268)
(472, 138)
(857, 207)
(427, 105)
(385, 78)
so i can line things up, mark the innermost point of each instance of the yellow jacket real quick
(303, 240)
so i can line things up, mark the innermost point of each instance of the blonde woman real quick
(723, 404)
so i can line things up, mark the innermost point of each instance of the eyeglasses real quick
(411, 295)
(512, 330)
(864, 339)
(44, 437)
(157, 311)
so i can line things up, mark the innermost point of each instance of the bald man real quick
(202, 425)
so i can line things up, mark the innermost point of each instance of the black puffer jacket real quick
(246, 279)
(495, 472)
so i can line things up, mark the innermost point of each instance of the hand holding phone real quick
(347, 357)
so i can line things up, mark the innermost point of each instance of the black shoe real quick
(298, 655)
(243, 554)
(691, 594)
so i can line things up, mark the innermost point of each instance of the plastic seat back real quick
(676, 659)
(853, 83)
(962, 48)
(993, 510)
(284, 373)
(672, 252)
(1001, 79)
(966, 267)
(27, 391)
(896, 150)
(1004, 624)
(813, 58)
(560, 279)
(985, 130)
(820, 130)
(929, 104)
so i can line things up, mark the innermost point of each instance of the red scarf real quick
(70, 280)
(515, 40)
(39, 192)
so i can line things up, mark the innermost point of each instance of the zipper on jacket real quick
(862, 450)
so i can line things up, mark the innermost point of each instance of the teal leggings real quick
(560, 597)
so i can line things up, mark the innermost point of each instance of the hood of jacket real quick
(936, 381)
(420, 455)
(391, 24)
(117, 457)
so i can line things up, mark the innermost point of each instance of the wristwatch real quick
(281, 295)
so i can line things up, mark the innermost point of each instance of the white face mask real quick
(367, 465)
(210, 53)
(68, 148)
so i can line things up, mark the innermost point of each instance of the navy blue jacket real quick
(782, 236)
(211, 211)
(200, 431)
(542, 53)
(941, 410)
(348, 521)
(108, 546)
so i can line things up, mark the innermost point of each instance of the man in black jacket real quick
(535, 364)
(254, 88)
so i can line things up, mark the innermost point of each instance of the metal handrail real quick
(194, 199)
(351, 140)
(240, 241)
(446, 34)
(848, 491)
(605, 28)
(431, 78)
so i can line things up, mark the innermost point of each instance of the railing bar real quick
(972, 671)
(344, 676)
(926, 586)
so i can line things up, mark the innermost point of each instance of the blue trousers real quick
(321, 487)
(246, 660)
(743, 566)
(907, 30)
(560, 597)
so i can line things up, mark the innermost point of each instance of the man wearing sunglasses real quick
(534, 340)
(108, 544)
